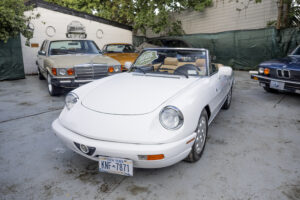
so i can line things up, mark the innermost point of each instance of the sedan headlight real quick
(171, 117)
(62, 71)
(71, 100)
(117, 68)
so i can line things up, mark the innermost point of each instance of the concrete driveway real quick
(253, 152)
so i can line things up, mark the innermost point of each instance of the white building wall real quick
(60, 21)
(227, 15)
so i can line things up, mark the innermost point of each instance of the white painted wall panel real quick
(60, 22)
(227, 15)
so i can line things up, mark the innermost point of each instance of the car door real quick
(41, 56)
(215, 83)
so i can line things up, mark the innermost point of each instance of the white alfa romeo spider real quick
(152, 116)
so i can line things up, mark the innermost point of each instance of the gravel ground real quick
(252, 152)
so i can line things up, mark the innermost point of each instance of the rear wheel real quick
(200, 140)
(52, 89)
(227, 103)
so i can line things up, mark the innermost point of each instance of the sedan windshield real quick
(119, 48)
(186, 62)
(73, 47)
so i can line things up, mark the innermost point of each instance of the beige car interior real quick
(171, 64)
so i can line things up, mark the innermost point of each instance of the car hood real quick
(71, 60)
(134, 93)
(123, 57)
(288, 62)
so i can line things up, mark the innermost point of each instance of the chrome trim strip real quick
(274, 79)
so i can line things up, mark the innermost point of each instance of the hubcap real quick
(201, 135)
(49, 83)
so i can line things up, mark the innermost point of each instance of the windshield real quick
(119, 48)
(172, 62)
(73, 47)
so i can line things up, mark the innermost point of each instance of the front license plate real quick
(116, 166)
(277, 85)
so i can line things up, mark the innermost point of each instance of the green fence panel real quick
(11, 60)
(245, 49)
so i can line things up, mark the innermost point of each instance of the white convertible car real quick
(152, 116)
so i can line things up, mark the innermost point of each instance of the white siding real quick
(224, 16)
(60, 22)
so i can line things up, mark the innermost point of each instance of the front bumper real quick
(69, 82)
(173, 152)
(290, 86)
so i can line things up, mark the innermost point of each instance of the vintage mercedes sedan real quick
(122, 52)
(168, 97)
(280, 74)
(71, 63)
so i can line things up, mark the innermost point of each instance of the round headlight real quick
(62, 72)
(261, 70)
(117, 68)
(71, 100)
(171, 117)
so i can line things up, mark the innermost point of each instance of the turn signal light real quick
(70, 71)
(54, 72)
(151, 157)
(266, 71)
(111, 69)
(155, 157)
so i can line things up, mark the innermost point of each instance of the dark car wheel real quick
(40, 75)
(227, 103)
(268, 89)
(52, 89)
(200, 140)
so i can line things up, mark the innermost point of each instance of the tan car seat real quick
(201, 63)
(170, 63)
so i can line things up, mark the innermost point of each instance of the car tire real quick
(271, 90)
(52, 89)
(40, 75)
(227, 103)
(200, 140)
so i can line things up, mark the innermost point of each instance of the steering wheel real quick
(185, 68)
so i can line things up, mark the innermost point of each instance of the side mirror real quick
(42, 53)
(214, 58)
(128, 65)
(225, 71)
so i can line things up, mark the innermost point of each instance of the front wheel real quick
(52, 89)
(268, 89)
(40, 75)
(200, 140)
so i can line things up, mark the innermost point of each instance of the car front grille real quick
(282, 73)
(90, 71)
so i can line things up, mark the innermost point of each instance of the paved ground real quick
(253, 152)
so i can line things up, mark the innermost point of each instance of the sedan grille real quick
(283, 73)
(91, 71)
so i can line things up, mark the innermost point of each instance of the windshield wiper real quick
(139, 69)
(179, 72)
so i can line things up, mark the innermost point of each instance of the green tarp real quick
(244, 49)
(11, 60)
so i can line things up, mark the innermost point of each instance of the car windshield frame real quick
(133, 48)
(143, 69)
(296, 50)
(94, 49)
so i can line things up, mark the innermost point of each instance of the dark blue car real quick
(280, 74)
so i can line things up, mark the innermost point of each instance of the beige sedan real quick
(71, 63)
